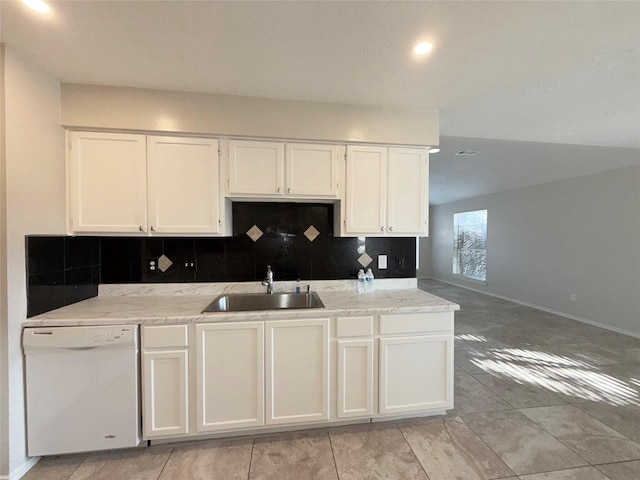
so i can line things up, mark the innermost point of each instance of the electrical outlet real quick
(573, 297)
(152, 265)
(382, 262)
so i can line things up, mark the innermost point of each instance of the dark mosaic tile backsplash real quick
(63, 270)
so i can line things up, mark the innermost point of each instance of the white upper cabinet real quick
(256, 168)
(386, 191)
(183, 185)
(108, 182)
(366, 190)
(407, 191)
(271, 169)
(312, 170)
(124, 183)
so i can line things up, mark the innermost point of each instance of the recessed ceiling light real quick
(434, 150)
(37, 5)
(423, 48)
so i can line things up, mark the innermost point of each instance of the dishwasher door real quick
(81, 388)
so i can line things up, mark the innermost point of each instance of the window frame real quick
(462, 276)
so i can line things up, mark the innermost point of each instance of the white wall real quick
(426, 257)
(35, 196)
(4, 390)
(578, 236)
(105, 107)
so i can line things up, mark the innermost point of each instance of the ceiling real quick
(528, 84)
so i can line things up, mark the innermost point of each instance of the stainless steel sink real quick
(243, 302)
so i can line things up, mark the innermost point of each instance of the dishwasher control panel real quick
(79, 337)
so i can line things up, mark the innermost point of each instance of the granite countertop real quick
(179, 304)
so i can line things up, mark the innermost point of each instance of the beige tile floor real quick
(538, 397)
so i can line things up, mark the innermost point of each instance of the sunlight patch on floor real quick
(470, 338)
(558, 374)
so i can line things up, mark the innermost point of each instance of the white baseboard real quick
(22, 469)
(544, 309)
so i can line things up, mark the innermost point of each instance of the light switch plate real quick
(382, 262)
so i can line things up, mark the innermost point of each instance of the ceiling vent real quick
(467, 153)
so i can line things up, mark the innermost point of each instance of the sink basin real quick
(243, 302)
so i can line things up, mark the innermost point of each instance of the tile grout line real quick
(253, 443)
(166, 462)
(486, 411)
(564, 470)
(531, 473)
(509, 403)
(557, 439)
(76, 469)
(606, 425)
(611, 463)
(333, 455)
(604, 474)
(495, 393)
(599, 421)
(412, 451)
(487, 445)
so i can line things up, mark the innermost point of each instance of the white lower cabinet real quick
(415, 373)
(165, 373)
(256, 374)
(230, 375)
(297, 371)
(354, 378)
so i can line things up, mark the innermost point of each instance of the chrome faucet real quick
(268, 282)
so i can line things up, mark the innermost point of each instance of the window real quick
(470, 244)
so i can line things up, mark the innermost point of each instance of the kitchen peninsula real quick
(364, 357)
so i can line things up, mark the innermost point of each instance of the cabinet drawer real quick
(165, 336)
(354, 327)
(416, 323)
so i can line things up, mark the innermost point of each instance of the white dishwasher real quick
(82, 388)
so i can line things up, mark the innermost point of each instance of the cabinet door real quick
(297, 370)
(107, 182)
(311, 170)
(355, 378)
(415, 373)
(366, 190)
(256, 168)
(407, 184)
(183, 185)
(165, 396)
(230, 376)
